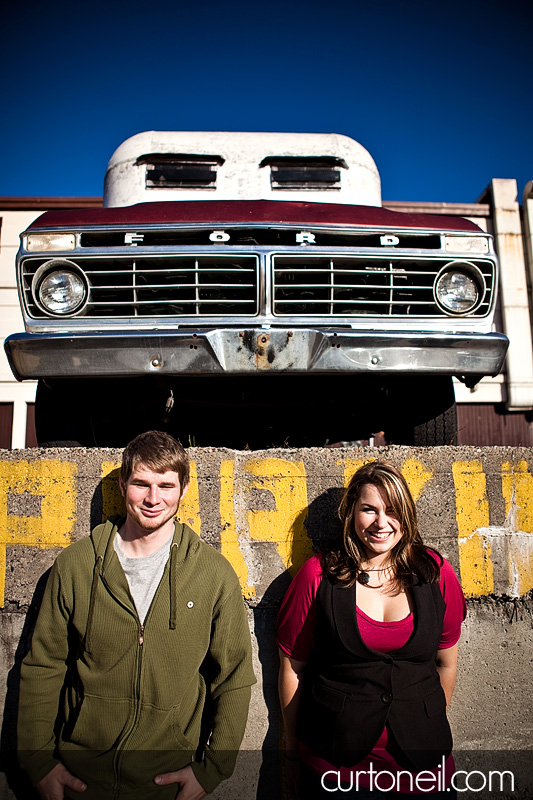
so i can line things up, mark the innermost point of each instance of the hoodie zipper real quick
(121, 745)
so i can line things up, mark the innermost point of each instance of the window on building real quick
(180, 171)
(309, 172)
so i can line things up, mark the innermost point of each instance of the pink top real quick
(296, 622)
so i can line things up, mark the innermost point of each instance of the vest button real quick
(386, 698)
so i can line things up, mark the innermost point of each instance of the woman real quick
(368, 636)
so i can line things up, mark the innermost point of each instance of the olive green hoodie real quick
(119, 703)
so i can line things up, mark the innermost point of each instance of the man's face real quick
(152, 498)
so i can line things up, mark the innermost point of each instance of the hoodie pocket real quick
(96, 723)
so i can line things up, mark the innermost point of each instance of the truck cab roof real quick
(191, 165)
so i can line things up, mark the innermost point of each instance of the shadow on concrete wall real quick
(323, 528)
(15, 776)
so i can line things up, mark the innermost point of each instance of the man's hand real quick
(52, 786)
(189, 789)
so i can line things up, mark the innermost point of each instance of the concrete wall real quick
(266, 511)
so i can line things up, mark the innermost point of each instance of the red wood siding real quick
(483, 424)
(6, 424)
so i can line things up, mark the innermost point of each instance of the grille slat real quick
(175, 286)
(162, 302)
(90, 272)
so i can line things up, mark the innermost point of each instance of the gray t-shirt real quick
(143, 574)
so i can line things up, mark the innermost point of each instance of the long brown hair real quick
(409, 556)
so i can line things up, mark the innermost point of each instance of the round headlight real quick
(459, 289)
(60, 288)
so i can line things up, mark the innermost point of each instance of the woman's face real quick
(376, 525)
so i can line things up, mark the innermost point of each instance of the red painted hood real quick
(226, 212)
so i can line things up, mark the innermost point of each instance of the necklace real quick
(364, 578)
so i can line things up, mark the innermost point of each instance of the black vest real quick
(351, 691)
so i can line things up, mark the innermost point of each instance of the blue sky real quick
(439, 93)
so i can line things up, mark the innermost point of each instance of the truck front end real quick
(254, 322)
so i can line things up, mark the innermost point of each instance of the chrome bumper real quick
(234, 351)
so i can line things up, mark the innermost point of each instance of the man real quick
(137, 684)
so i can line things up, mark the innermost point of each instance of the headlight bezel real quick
(59, 267)
(465, 268)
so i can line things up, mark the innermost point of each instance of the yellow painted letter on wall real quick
(472, 511)
(287, 481)
(351, 465)
(189, 510)
(517, 490)
(112, 500)
(414, 472)
(229, 539)
(47, 488)
(416, 476)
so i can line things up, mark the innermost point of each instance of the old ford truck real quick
(248, 290)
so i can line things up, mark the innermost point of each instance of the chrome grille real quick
(162, 287)
(342, 287)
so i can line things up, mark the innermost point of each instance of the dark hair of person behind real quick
(408, 557)
(159, 452)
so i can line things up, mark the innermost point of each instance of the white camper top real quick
(203, 165)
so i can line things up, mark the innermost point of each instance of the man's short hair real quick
(157, 451)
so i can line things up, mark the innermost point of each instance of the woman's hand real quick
(290, 692)
(446, 661)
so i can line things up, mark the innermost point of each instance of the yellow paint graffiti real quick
(351, 465)
(189, 510)
(472, 513)
(287, 481)
(229, 540)
(53, 485)
(517, 491)
(416, 476)
(112, 500)
(413, 470)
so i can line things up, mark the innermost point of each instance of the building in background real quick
(498, 411)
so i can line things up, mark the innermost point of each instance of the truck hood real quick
(226, 212)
